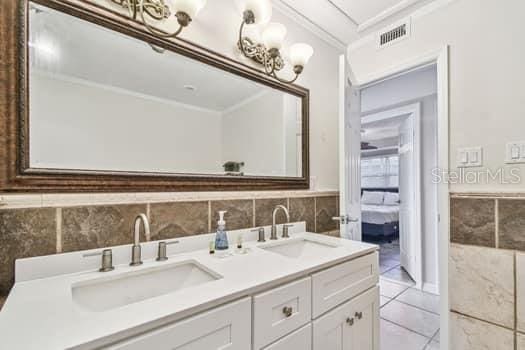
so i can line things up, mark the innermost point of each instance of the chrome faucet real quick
(136, 259)
(273, 235)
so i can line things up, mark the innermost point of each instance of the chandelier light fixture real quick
(268, 53)
(185, 11)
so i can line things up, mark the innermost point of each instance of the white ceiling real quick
(58, 49)
(345, 20)
(361, 11)
(66, 47)
(381, 130)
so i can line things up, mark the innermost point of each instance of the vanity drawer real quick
(339, 284)
(226, 327)
(280, 311)
(300, 340)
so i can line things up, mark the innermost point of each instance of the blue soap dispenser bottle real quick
(221, 238)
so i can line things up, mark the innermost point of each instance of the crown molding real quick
(305, 22)
(389, 12)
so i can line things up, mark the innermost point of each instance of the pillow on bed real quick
(372, 198)
(391, 198)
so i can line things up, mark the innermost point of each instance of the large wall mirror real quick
(111, 110)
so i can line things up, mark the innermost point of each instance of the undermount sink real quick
(299, 248)
(111, 292)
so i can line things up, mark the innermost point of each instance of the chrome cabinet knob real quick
(359, 315)
(287, 311)
(350, 321)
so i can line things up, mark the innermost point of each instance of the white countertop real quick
(41, 314)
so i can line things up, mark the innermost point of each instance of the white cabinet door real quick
(299, 340)
(352, 326)
(224, 328)
(365, 332)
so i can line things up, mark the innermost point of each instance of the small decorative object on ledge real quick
(268, 53)
(233, 168)
(185, 11)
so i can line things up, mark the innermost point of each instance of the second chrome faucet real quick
(273, 235)
(136, 254)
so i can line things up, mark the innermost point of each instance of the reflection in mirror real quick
(102, 101)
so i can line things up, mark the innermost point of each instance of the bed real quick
(380, 213)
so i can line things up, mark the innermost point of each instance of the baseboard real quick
(431, 288)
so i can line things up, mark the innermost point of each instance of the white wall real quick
(400, 90)
(146, 133)
(486, 101)
(217, 27)
(138, 133)
(292, 118)
(417, 87)
(253, 133)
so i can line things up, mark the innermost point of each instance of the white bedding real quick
(379, 214)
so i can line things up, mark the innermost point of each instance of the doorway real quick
(391, 191)
(401, 299)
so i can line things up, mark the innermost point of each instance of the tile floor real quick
(409, 317)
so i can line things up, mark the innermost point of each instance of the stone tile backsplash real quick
(487, 271)
(97, 226)
(264, 209)
(28, 232)
(511, 224)
(178, 219)
(24, 233)
(521, 341)
(472, 221)
(326, 209)
(240, 213)
(520, 292)
(467, 333)
(303, 209)
(483, 283)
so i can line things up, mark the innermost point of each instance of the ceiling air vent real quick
(399, 32)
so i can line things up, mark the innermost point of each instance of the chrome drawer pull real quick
(287, 311)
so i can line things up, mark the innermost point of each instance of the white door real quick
(407, 197)
(349, 155)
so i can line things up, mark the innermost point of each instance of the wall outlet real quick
(515, 152)
(470, 157)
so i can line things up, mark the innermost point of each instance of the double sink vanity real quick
(304, 292)
(194, 120)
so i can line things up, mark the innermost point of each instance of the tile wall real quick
(35, 226)
(487, 272)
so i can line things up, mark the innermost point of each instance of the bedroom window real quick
(380, 172)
